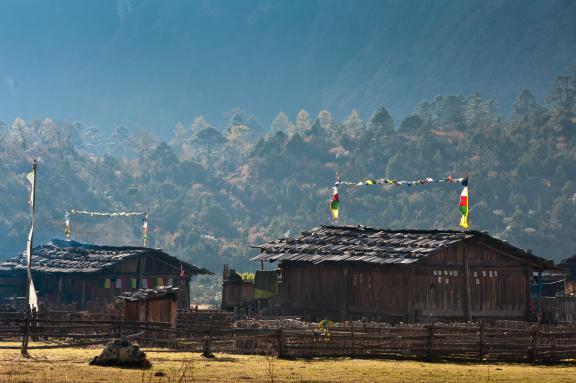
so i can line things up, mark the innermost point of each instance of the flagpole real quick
(29, 283)
(31, 236)
(335, 201)
(467, 178)
(464, 203)
(145, 229)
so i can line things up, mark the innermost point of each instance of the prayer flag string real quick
(390, 181)
(68, 230)
(463, 206)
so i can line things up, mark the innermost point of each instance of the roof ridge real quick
(388, 230)
(63, 243)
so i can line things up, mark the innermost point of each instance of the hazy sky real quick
(152, 63)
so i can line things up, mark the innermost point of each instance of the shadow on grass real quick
(568, 363)
(223, 359)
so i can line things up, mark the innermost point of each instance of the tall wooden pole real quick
(29, 246)
(145, 229)
(337, 191)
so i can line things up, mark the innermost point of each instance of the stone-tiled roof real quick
(378, 246)
(59, 256)
(145, 294)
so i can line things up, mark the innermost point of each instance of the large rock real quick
(122, 353)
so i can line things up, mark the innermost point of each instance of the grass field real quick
(71, 365)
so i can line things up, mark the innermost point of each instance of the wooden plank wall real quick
(85, 291)
(429, 290)
(340, 290)
(498, 284)
(12, 286)
(237, 294)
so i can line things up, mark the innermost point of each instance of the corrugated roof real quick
(378, 246)
(59, 256)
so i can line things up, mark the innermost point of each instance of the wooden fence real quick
(471, 342)
(197, 332)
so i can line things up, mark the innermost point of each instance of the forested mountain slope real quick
(214, 190)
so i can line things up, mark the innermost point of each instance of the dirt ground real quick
(71, 365)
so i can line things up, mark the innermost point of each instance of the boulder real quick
(122, 353)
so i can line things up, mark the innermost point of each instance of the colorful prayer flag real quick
(160, 281)
(144, 283)
(133, 283)
(107, 283)
(119, 283)
(335, 204)
(464, 207)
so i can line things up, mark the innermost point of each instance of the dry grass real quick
(71, 365)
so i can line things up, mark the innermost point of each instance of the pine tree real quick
(524, 105)
(303, 122)
(381, 122)
(281, 123)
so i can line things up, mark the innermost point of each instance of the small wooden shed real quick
(261, 292)
(236, 292)
(354, 272)
(151, 305)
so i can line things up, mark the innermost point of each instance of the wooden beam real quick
(140, 270)
(528, 297)
(467, 295)
(411, 290)
(187, 293)
(83, 295)
(344, 313)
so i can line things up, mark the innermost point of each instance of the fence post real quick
(352, 339)
(122, 319)
(481, 344)
(554, 353)
(429, 341)
(193, 323)
(24, 349)
(533, 351)
(34, 317)
(281, 348)
(207, 349)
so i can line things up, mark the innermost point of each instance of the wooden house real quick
(150, 305)
(69, 274)
(357, 272)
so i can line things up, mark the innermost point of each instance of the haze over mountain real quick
(153, 63)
